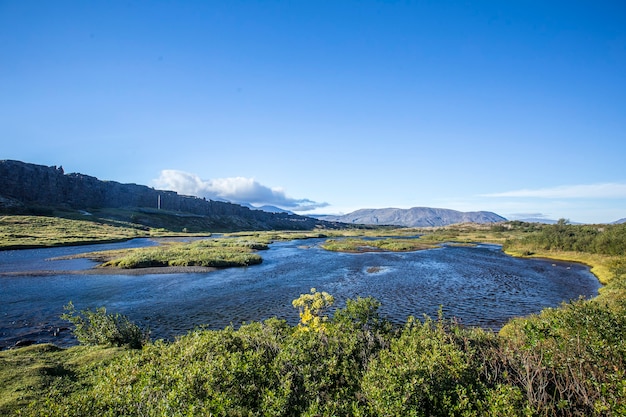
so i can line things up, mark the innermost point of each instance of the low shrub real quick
(568, 361)
(97, 327)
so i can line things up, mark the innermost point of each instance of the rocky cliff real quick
(416, 217)
(27, 185)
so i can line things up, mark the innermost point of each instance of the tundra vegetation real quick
(566, 361)
(378, 245)
(220, 253)
(18, 232)
(78, 228)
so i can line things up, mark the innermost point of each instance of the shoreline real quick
(155, 270)
(596, 266)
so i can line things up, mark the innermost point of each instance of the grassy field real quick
(28, 373)
(18, 232)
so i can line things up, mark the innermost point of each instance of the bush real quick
(429, 370)
(568, 361)
(604, 239)
(312, 307)
(99, 328)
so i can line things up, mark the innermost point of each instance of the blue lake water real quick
(480, 286)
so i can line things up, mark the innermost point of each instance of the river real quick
(479, 286)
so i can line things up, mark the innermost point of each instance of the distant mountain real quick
(29, 188)
(620, 221)
(267, 208)
(415, 217)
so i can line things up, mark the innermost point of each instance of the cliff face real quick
(40, 185)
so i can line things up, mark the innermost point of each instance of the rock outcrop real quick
(27, 185)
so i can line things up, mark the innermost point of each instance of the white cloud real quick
(605, 190)
(528, 215)
(234, 189)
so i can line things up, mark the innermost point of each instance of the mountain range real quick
(415, 217)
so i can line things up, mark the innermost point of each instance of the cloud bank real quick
(605, 190)
(528, 215)
(235, 189)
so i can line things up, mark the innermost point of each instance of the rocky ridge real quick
(24, 185)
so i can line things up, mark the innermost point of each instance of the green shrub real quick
(568, 361)
(99, 328)
(429, 370)
(600, 239)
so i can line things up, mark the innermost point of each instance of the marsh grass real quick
(468, 233)
(17, 232)
(219, 253)
(271, 236)
(600, 265)
(379, 245)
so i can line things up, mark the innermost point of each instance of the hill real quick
(37, 189)
(415, 217)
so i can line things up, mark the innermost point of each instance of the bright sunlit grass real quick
(38, 231)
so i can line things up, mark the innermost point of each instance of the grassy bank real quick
(20, 232)
(363, 245)
(219, 253)
(30, 373)
(602, 266)
(601, 247)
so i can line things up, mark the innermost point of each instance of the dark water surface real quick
(477, 285)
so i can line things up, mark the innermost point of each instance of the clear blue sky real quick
(517, 107)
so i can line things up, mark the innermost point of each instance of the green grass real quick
(271, 236)
(219, 253)
(28, 373)
(37, 231)
(363, 245)
(70, 227)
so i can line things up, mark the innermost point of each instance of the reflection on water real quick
(479, 286)
(42, 259)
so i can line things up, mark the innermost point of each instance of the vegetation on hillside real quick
(598, 239)
(603, 247)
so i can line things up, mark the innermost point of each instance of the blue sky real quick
(516, 107)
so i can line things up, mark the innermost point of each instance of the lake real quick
(479, 286)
